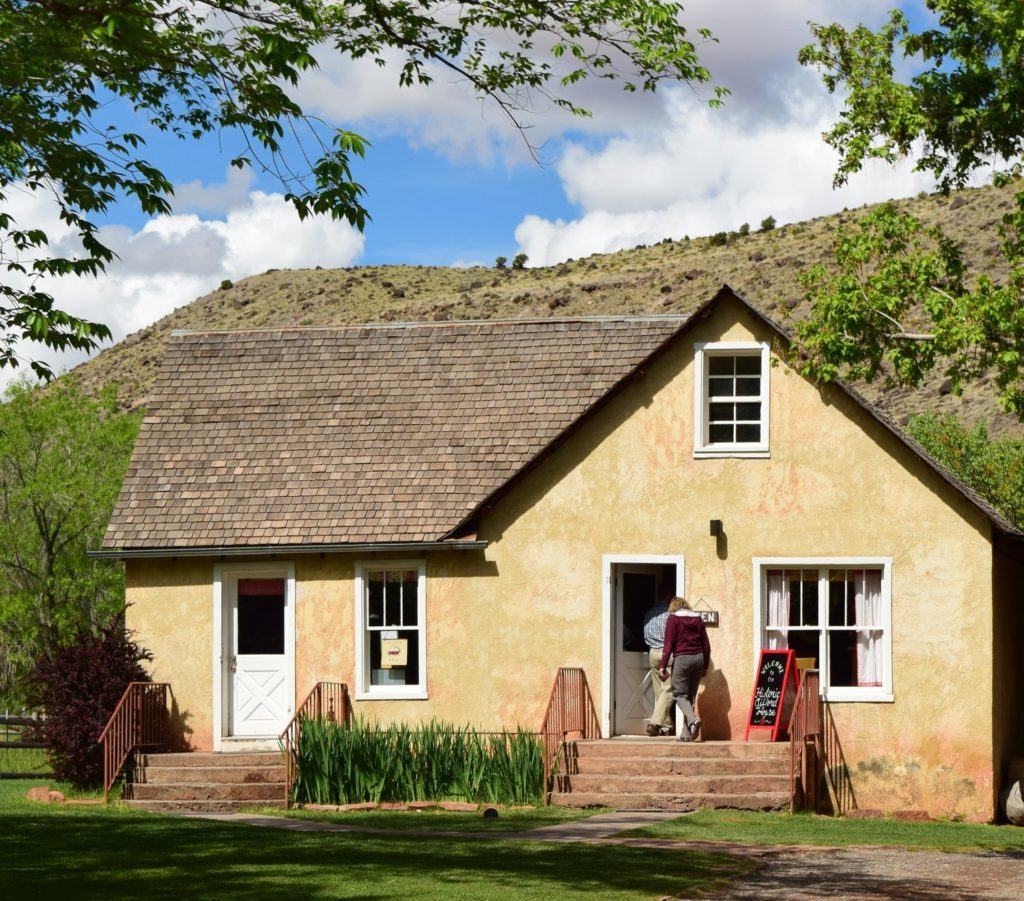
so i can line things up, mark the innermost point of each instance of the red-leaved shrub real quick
(79, 686)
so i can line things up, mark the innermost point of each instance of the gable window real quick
(731, 400)
(835, 614)
(391, 647)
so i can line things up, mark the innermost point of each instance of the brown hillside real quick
(670, 277)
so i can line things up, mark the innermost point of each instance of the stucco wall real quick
(500, 623)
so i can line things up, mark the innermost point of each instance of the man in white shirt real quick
(655, 621)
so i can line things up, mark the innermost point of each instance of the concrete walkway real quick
(591, 829)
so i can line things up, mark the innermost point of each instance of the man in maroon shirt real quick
(686, 642)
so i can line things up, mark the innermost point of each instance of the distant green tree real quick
(768, 223)
(62, 459)
(744, 229)
(718, 239)
(519, 261)
(992, 467)
(500, 262)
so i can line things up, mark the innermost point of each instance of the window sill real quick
(750, 453)
(859, 697)
(412, 694)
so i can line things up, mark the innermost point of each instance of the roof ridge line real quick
(448, 323)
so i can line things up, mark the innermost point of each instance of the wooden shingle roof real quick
(381, 435)
(357, 434)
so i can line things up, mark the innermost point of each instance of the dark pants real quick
(686, 673)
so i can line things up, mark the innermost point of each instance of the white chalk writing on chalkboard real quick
(768, 692)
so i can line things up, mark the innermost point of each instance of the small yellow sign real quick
(394, 652)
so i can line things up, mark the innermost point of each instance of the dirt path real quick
(863, 874)
(782, 874)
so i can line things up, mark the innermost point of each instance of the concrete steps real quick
(669, 775)
(204, 781)
(683, 803)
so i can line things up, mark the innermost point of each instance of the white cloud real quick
(693, 170)
(707, 171)
(197, 197)
(174, 259)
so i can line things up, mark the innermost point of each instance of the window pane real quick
(842, 659)
(810, 584)
(748, 434)
(805, 644)
(748, 387)
(854, 586)
(720, 365)
(793, 580)
(748, 364)
(410, 598)
(837, 597)
(749, 412)
(260, 616)
(720, 434)
(721, 412)
(395, 675)
(375, 599)
(392, 599)
(720, 387)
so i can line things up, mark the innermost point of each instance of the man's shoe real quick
(694, 730)
(653, 731)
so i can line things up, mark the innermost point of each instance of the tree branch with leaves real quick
(897, 301)
(230, 67)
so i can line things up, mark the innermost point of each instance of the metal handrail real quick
(836, 772)
(139, 721)
(326, 700)
(570, 712)
(816, 754)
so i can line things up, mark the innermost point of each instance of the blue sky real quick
(449, 182)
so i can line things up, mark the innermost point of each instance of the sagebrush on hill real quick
(673, 276)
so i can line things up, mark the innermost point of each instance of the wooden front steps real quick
(660, 773)
(208, 782)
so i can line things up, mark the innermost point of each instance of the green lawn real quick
(807, 829)
(443, 820)
(23, 760)
(95, 852)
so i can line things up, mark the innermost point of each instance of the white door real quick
(259, 644)
(637, 589)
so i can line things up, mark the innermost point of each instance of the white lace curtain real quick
(777, 620)
(868, 603)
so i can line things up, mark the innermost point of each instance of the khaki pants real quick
(687, 670)
(662, 715)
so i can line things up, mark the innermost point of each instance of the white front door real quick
(259, 641)
(638, 587)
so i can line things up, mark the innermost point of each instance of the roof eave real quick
(270, 550)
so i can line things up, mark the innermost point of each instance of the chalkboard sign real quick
(771, 703)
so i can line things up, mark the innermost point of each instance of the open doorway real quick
(635, 584)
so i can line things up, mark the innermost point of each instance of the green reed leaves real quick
(437, 761)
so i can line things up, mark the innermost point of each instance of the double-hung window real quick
(391, 648)
(731, 404)
(836, 615)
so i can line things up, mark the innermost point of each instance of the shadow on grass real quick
(118, 856)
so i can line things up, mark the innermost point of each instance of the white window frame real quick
(873, 694)
(702, 448)
(364, 690)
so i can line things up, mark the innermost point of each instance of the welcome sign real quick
(771, 703)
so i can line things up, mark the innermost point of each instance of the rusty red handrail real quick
(816, 756)
(326, 700)
(570, 715)
(139, 721)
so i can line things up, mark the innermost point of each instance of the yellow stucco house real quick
(443, 514)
